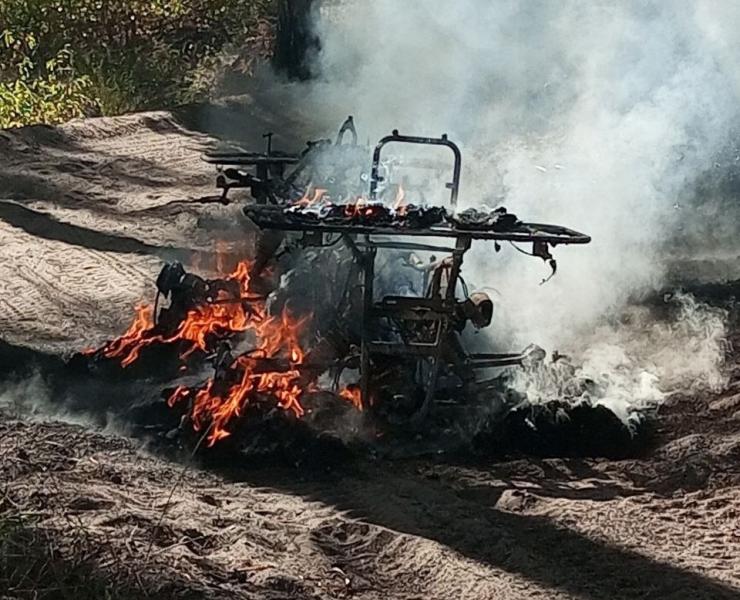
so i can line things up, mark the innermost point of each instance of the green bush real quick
(32, 95)
(65, 58)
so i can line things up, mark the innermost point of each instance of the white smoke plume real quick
(633, 363)
(600, 116)
(32, 398)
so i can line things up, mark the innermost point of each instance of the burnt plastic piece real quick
(478, 220)
(170, 277)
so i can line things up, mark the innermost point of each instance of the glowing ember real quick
(363, 208)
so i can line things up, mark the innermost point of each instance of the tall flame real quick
(224, 316)
(272, 370)
(279, 338)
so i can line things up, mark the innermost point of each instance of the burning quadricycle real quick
(409, 338)
(348, 275)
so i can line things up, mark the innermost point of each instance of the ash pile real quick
(345, 326)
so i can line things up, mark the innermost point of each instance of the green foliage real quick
(65, 58)
(52, 94)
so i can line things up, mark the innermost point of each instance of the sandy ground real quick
(88, 211)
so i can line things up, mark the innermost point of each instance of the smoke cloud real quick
(611, 118)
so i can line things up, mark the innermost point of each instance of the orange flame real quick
(129, 345)
(399, 204)
(279, 338)
(227, 315)
(361, 208)
(307, 200)
(273, 370)
(352, 394)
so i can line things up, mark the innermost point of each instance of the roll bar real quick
(453, 186)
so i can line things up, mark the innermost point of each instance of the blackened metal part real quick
(222, 360)
(162, 357)
(540, 249)
(428, 326)
(170, 277)
(267, 245)
(347, 126)
(395, 137)
(276, 217)
(321, 164)
(189, 292)
(244, 158)
(477, 309)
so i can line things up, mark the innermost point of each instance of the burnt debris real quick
(361, 295)
(495, 220)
